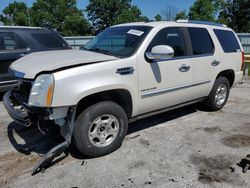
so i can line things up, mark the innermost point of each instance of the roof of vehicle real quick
(178, 22)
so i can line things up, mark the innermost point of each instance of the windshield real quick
(120, 41)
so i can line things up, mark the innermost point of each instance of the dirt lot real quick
(182, 148)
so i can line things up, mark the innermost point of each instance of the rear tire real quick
(100, 129)
(218, 95)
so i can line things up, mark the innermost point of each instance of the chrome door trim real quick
(172, 89)
(148, 114)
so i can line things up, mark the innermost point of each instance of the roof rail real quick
(201, 22)
(20, 27)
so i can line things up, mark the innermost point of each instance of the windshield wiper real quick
(83, 48)
(101, 51)
(98, 50)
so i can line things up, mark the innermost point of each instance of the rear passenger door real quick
(203, 60)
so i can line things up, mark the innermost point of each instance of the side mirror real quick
(160, 53)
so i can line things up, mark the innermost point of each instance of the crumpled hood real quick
(30, 65)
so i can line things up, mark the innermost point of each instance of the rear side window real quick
(227, 40)
(171, 36)
(50, 40)
(201, 41)
(10, 41)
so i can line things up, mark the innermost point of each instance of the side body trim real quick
(165, 109)
(172, 89)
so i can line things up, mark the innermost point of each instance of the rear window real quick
(10, 41)
(201, 41)
(227, 40)
(50, 40)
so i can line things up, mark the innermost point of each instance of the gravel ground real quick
(187, 147)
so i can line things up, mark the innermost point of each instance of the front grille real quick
(24, 89)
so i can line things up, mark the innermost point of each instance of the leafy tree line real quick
(234, 13)
(65, 17)
(62, 15)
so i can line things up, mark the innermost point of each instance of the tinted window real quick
(50, 40)
(113, 42)
(227, 40)
(201, 41)
(10, 41)
(172, 37)
(120, 41)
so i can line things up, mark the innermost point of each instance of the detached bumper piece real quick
(66, 131)
(16, 110)
(20, 114)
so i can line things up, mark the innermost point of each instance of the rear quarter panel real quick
(229, 61)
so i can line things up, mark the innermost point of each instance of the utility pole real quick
(28, 12)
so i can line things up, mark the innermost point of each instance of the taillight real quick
(243, 59)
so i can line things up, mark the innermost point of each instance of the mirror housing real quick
(160, 53)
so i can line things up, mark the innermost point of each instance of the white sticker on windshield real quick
(135, 32)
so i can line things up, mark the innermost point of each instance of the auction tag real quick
(135, 32)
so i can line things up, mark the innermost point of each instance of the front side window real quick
(227, 40)
(171, 36)
(10, 41)
(120, 41)
(201, 41)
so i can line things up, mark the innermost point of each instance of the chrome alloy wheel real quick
(104, 130)
(221, 94)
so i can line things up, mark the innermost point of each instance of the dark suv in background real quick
(16, 42)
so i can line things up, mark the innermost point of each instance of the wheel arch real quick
(120, 96)
(229, 74)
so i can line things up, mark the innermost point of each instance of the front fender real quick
(74, 84)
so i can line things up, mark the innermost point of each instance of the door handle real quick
(184, 68)
(215, 63)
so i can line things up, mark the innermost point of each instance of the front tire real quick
(100, 129)
(219, 94)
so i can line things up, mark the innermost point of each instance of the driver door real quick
(165, 83)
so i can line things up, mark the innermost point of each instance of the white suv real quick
(127, 72)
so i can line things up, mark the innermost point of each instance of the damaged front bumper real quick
(25, 115)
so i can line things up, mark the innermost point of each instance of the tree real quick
(158, 17)
(62, 15)
(181, 15)
(133, 14)
(206, 10)
(236, 14)
(169, 13)
(16, 13)
(202, 10)
(103, 13)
